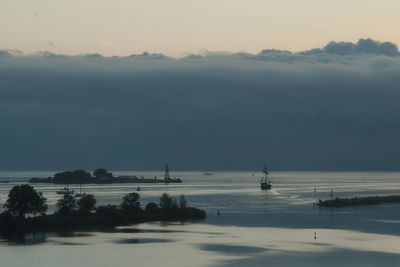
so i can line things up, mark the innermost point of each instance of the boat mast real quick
(265, 171)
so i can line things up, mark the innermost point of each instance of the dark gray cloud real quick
(367, 46)
(316, 110)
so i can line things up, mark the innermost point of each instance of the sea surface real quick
(280, 227)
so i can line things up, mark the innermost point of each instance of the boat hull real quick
(64, 193)
(266, 186)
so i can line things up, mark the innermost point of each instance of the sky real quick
(180, 27)
(202, 85)
(329, 108)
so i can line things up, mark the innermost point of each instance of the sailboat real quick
(65, 190)
(265, 183)
(80, 194)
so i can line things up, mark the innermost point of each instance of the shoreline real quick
(105, 217)
(358, 201)
(116, 180)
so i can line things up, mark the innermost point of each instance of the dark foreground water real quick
(280, 227)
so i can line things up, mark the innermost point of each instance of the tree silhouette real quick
(130, 201)
(86, 203)
(182, 202)
(166, 201)
(102, 173)
(70, 177)
(66, 205)
(151, 207)
(23, 199)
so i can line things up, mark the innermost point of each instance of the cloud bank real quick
(334, 108)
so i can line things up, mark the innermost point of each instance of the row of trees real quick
(69, 204)
(81, 176)
(24, 199)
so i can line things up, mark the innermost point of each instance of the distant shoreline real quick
(100, 176)
(358, 201)
(116, 180)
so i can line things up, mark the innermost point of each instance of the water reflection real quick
(23, 238)
(204, 245)
(36, 238)
(230, 249)
(254, 227)
(338, 257)
(141, 240)
(72, 234)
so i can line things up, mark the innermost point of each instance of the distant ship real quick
(265, 183)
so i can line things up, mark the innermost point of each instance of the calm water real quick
(254, 227)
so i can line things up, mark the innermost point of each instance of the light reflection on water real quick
(253, 227)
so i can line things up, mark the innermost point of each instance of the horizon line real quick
(202, 52)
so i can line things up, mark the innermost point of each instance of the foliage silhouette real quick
(102, 174)
(182, 202)
(86, 203)
(23, 199)
(66, 205)
(130, 201)
(72, 177)
(165, 201)
(128, 212)
(151, 207)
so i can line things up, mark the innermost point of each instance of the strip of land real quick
(104, 217)
(100, 176)
(25, 211)
(358, 201)
(118, 179)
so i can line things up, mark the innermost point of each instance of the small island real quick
(358, 201)
(101, 176)
(26, 212)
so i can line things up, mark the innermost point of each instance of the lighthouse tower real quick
(166, 174)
